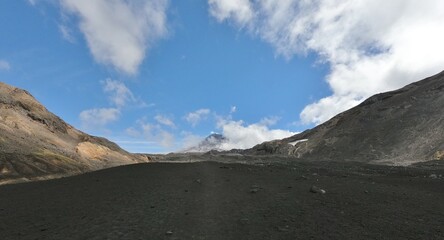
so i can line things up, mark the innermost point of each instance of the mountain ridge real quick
(398, 127)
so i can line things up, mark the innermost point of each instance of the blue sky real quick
(158, 75)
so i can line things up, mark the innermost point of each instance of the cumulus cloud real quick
(119, 95)
(269, 121)
(190, 140)
(98, 117)
(119, 32)
(238, 10)
(156, 133)
(242, 136)
(164, 120)
(4, 65)
(195, 117)
(371, 45)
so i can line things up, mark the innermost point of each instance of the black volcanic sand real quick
(210, 200)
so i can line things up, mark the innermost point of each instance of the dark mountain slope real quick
(34, 143)
(397, 127)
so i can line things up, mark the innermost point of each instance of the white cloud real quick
(32, 2)
(371, 45)
(164, 120)
(120, 95)
(166, 139)
(238, 10)
(242, 136)
(269, 121)
(132, 132)
(98, 117)
(4, 65)
(119, 32)
(195, 117)
(233, 109)
(190, 140)
(152, 132)
(239, 135)
(66, 33)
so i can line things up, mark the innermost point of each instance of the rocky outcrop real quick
(36, 144)
(398, 127)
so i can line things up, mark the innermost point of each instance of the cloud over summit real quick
(242, 136)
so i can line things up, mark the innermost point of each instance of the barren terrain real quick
(210, 200)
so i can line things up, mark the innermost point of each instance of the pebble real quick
(254, 189)
(285, 228)
(169, 232)
(315, 189)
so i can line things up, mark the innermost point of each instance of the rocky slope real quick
(36, 144)
(398, 127)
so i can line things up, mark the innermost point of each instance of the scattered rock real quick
(315, 189)
(439, 155)
(285, 228)
(254, 189)
(433, 176)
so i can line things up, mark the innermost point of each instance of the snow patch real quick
(297, 141)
